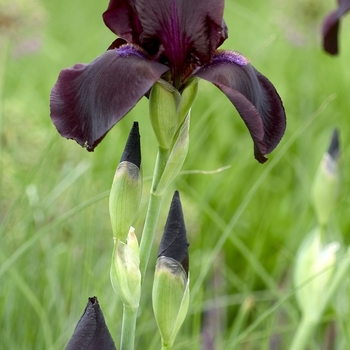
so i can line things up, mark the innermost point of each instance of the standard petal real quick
(88, 99)
(330, 27)
(121, 18)
(91, 332)
(254, 97)
(184, 28)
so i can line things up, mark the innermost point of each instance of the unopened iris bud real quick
(326, 182)
(176, 158)
(126, 189)
(313, 273)
(163, 103)
(125, 272)
(91, 331)
(171, 280)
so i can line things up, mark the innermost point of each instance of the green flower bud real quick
(170, 298)
(163, 103)
(313, 273)
(126, 189)
(176, 158)
(125, 272)
(171, 280)
(326, 182)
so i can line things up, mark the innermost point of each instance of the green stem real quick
(152, 212)
(128, 328)
(164, 347)
(149, 231)
(304, 333)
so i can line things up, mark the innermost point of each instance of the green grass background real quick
(244, 222)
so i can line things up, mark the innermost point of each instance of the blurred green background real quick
(245, 221)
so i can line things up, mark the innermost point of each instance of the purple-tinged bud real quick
(91, 331)
(132, 150)
(326, 182)
(171, 279)
(126, 189)
(174, 241)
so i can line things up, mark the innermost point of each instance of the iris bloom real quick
(175, 40)
(330, 27)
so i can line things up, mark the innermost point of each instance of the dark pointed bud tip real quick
(174, 241)
(132, 151)
(91, 332)
(333, 149)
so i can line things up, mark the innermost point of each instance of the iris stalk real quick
(127, 340)
(152, 212)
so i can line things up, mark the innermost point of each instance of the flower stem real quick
(149, 231)
(164, 347)
(304, 332)
(128, 328)
(152, 212)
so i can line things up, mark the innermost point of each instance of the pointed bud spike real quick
(333, 149)
(132, 151)
(91, 331)
(174, 241)
(126, 188)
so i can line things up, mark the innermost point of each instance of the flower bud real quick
(91, 331)
(125, 272)
(171, 280)
(163, 103)
(313, 272)
(176, 158)
(126, 189)
(325, 185)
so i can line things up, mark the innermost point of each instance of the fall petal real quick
(88, 99)
(254, 97)
(91, 332)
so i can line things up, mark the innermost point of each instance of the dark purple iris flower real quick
(330, 27)
(175, 40)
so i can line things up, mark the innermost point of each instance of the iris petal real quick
(91, 332)
(88, 99)
(254, 97)
(121, 19)
(175, 29)
(330, 27)
(182, 27)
